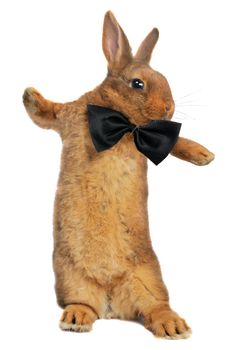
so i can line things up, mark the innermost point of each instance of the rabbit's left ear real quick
(115, 44)
(145, 50)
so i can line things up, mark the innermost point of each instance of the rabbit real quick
(103, 259)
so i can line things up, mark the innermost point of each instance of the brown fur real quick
(103, 258)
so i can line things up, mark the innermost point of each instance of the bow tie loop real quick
(155, 140)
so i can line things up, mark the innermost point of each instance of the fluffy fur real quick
(103, 258)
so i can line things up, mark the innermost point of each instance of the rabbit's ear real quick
(115, 44)
(145, 50)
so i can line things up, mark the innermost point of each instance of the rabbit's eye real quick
(137, 84)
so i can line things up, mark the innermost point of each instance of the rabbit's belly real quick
(108, 244)
(102, 217)
(116, 211)
(103, 266)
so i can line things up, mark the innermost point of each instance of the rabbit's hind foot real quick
(77, 318)
(165, 323)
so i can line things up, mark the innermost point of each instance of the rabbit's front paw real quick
(201, 156)
(192, 152)
(165, 323)
(77, 318)
(31, 99)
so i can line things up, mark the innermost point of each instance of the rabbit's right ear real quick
(115, 44)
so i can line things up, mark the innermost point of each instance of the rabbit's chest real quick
(114, 175)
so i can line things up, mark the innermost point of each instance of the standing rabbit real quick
(103, 259)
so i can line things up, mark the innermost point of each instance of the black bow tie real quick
(155, 140)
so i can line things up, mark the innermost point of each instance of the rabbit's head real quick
(132, 86)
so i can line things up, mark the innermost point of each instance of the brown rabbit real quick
(104, 263)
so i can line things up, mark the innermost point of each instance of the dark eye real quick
(137, 84)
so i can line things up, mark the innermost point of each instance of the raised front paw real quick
(192, 152)
(32, 100)
(165, 323)
(201, 156)
(77, 318)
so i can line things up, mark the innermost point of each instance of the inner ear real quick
(145, 49)
(115, 43)
(110, 39)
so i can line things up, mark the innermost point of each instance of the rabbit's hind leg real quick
(81, 298)
(143, 293)
(78, 318)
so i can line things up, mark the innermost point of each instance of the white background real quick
(55, 46)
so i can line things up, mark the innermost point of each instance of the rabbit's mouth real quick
(163, 117)
(166, 117)
(166, 111)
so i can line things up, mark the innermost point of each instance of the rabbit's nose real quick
(169, 108)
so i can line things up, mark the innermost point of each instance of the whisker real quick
(175, 117)
(187, 95)
(183, 116)
(186, 101)
(190, 105)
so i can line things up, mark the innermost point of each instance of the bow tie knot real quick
(155, 140)
(135, 127)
